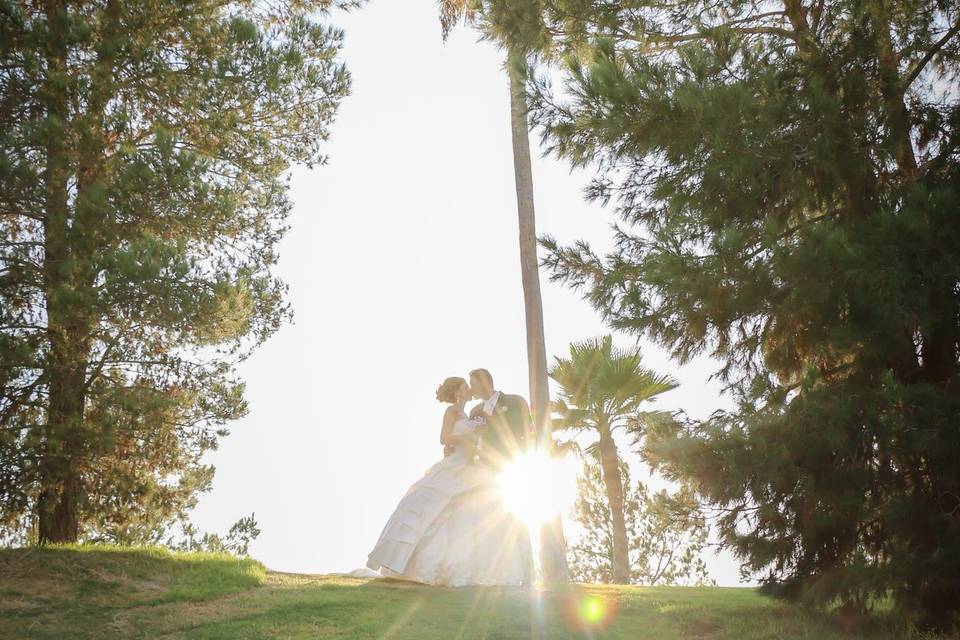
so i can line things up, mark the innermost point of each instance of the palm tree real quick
(602, 389)
(553, 548)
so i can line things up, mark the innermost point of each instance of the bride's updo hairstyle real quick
(447, 392)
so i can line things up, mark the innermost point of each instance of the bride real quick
(451, 528)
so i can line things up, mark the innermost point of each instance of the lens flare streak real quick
(536, 487)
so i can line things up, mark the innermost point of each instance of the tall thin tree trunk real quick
(553, 547)
(529, 263)
(610, 465)
(58, 501)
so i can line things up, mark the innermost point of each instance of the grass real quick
(106, 592)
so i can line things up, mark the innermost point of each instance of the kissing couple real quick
(452, 528)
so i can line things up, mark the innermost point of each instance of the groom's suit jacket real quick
(508, 430)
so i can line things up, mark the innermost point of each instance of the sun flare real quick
(537, 487)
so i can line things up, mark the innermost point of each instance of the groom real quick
(508, 428)
(507, 433)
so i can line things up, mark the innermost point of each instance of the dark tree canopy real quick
(786, 179)
(144, 149)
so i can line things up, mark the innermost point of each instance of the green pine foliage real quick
(144, 150)
(787, 182)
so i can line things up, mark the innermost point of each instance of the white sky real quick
(403, 267)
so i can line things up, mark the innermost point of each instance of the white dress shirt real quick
(490, 403)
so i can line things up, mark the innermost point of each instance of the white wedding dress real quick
(451, 528)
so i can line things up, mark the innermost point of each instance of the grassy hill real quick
(104, 592)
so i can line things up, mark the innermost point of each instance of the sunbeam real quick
(537, 486)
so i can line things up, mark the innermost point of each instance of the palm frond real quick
(566, 417)
(592, 451)
(453, 12)
(604, 380)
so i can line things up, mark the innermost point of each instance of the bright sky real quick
(403, 268)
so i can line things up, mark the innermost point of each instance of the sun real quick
(537, 487)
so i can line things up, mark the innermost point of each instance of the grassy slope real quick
(100, 592)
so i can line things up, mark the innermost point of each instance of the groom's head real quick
(481, 383)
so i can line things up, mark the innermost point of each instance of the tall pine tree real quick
(143, 155)
(787, 179)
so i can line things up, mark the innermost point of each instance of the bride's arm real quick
(449, 435)
(467, 426)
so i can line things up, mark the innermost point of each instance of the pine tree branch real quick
(22, 243)
(789, 232)
(23, 399)
(98, 368)
(937, 46)
(816, 13)
(940, 159)
(661, 563)
(703, 35)
(17, 211)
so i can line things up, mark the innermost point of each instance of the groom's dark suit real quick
(507, 432)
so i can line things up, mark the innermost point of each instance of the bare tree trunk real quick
(610, 465)
(59, 499)
(529, 263)
(553, 547)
